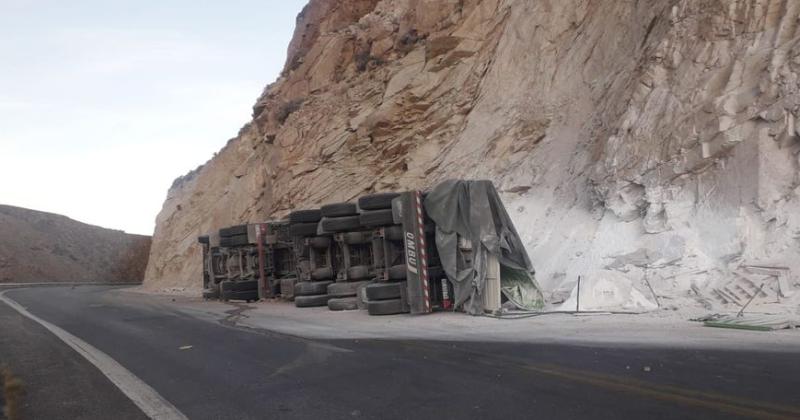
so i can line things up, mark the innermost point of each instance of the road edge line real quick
(140, 393)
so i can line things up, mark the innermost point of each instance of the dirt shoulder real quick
(661, 329)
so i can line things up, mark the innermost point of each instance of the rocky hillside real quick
(655, 140)
(45, 247)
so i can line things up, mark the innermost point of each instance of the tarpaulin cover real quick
(473, 210)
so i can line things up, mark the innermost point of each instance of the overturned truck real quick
(453, 247)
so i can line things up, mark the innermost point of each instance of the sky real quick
(104, 103)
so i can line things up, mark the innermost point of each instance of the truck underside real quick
(378, 254)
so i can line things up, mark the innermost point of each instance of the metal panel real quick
(258, 231)
(412, 217)
(254, 232)
(213, 239)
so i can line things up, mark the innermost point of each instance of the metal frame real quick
(361, 252)
(273, 255)
(416, 249)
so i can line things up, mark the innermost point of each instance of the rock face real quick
(657, 139)
(45, 247)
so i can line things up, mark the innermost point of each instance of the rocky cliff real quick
(654, 141)
(43, 247)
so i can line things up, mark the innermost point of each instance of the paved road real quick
(238, 373)
(58, 383)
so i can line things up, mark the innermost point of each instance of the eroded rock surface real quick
(657, 138)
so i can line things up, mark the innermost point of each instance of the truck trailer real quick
(380, 253)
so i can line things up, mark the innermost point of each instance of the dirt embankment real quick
(44, 247)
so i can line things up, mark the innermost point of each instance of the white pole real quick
(491, 293)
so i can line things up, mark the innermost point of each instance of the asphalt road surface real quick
(231, 372)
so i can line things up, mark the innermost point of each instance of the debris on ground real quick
(753, 322)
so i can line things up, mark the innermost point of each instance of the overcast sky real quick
(104, 103)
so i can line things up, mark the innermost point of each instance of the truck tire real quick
(311, 301)
(244, 285)
(382, 291)
(323, 273)
(310, 288)
(305, 216)
(230, 241)
(377, 201)
(238, 286)
(341, 224)
(345, 289)
(211, 293)
(343, 304)
(303, 229)
(233, 231)
(319, 242)
(246, 295)
(393, 233)
(339, 210)
(385, 307)
(375, 218)
(356, 238)
(358, 272)
(398, 272)
(287, 288)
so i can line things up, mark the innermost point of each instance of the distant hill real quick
(44, 247)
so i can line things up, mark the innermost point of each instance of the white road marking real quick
(144, 396)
